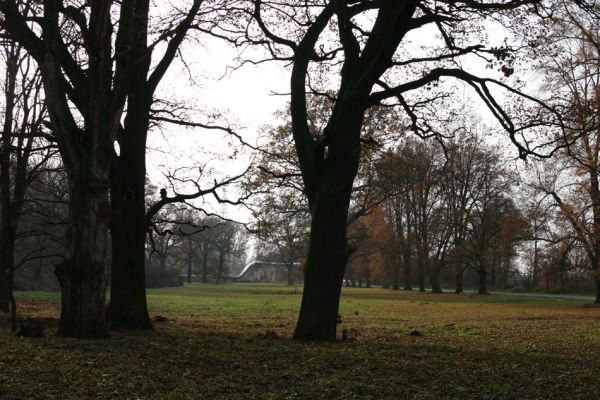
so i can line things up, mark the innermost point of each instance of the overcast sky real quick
(245, 99)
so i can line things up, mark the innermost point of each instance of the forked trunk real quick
(82, 275)
(324, 271)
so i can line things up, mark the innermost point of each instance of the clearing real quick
(233, 342)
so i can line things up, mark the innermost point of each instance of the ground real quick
(233, 342)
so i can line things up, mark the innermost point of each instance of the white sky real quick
(245, 98)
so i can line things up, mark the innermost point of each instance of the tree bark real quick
(83, 273)
(324, 271)
(421, 272)
(482, 272)
(7, 259)
(128, 308)
(459, 279)
(8, 216)
(434, 278)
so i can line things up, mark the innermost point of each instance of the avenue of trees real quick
(378, 170)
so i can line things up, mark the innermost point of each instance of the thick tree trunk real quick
(290, 275)
(434, 278)
(324, 270)
(459, 279)
(83, 273)
(7, 213)
(128, 308)
(6, 266)
(597, 282)
(482, 272)
(3, 291)
(7, 244)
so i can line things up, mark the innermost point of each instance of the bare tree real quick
(87, 83)
(23, 154)
(362, 45)
(571, 63)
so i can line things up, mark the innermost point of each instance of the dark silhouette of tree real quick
(360, 45)
(24, 154)
(570, 61)
(98, 65)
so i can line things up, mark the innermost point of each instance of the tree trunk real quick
(482, 272)
(328, 254)
(434, 278)
(290, 271)
(83, 273)
(3, 291)
(459, 279)
(8, 216)
(493, 272)
(128, 308)
(421, 272)
(221, 263)
(396, 271)
(6, 265)
(407, 278)
(205, 262)
(189, 260)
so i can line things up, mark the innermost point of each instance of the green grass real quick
(233, 342)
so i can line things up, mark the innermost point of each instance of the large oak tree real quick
(363, 50)
(99, 82)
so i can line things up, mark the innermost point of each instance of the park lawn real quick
(234, 342)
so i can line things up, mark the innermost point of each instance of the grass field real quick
(233, 342)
